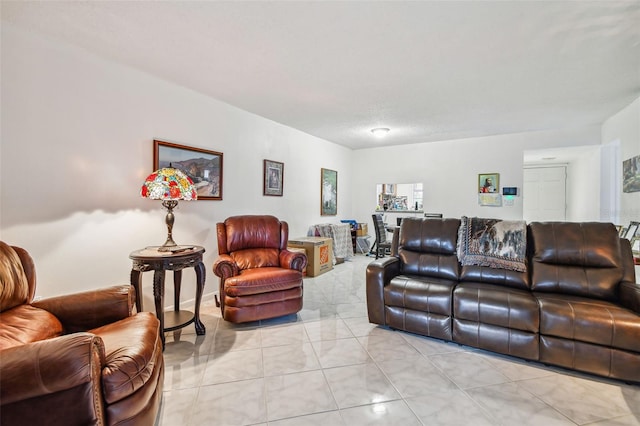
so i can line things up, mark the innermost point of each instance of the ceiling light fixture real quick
(380, 132)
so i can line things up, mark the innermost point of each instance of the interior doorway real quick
(544, 193)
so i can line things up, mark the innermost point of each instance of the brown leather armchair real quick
(259, 277)
(81, 359)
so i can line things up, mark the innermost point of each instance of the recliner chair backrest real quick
(17, 277)
(253, 241)
(583, 259)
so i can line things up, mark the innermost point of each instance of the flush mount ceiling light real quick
(380, 132)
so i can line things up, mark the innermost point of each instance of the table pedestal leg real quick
(135, 282)
(158, 297)
(200, 276)
(177, 282)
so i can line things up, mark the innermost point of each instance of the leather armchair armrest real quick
(56, 369)
(379, 274)
(224, 267)
(630, 295)
(91, 309)
(293, 260)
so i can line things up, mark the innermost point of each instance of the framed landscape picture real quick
(203, 166)
(328, 192)
(273, 178)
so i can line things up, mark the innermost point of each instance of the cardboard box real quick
(319, 252)
(362, 230)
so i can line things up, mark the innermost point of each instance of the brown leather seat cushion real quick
(432, 295)
(26, 324)
(496, 305)
(262, 280)
(131, 353)
(589, 320)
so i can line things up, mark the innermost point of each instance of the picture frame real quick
(632, 231)
(489, 183)
(328, 192)
(273, 179)
(203, 166)
(631, 174)
(635, 246)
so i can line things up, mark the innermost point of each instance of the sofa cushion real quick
(581, 259)
(14, 287)
(589, 320)
(262, 280)
(495, 243)
(503, 277)
(430, 295)
(25, 324)
(132, 353)
(496, 305)
(427, 247)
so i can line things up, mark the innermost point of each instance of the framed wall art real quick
(635, 246)
(203, 166)
(631, 174)
(328, 192)
(273, 178)
(489, 183)
(633, 230)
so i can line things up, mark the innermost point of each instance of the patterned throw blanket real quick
(492, 242)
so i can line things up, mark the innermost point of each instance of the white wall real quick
(624, 128)
(450, 170)
(583, 187)
(77, 137)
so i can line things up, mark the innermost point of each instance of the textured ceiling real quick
(427, 70)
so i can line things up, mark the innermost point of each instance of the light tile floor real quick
(328, 366)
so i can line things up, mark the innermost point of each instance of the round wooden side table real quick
(150, 259)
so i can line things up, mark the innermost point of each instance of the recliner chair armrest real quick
(630, 295)
(293, 260)
(379, 274)
(224, 267)
(91, 309)
(59, 370)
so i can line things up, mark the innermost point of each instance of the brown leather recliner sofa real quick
(575, 305)
(80, 359)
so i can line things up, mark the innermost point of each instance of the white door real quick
(544, 194)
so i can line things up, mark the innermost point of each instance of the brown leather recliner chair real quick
(259, 277)
(81, 359)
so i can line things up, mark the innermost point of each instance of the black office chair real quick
(381, 246)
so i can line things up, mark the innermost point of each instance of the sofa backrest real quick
(427, 247)
(583, 259)
(17, 277)
(253, 241)
(498, 276)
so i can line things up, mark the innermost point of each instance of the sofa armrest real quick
(630, 295)
(91, 309)
(379, 273)
(224, 267)
(293, 260)
(64, 371)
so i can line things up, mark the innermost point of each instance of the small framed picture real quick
(632, 231)
(273, 179)
(203, 166)
(489, 183)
